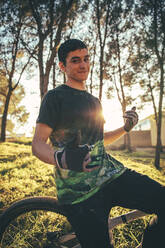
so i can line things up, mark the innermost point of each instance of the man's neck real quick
(76, 85)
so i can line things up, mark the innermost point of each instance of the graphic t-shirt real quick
(69, 111)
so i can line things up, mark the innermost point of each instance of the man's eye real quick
(86, 59)
(75, 61)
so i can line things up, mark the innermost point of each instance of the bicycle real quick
(51, 204)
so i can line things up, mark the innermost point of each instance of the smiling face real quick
(76, 68)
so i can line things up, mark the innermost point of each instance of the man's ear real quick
(62, 66)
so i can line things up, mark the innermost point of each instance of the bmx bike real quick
(44, 203)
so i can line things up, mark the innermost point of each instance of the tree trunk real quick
(127, 139)
(54, 75)
(92, 66)
(159, 124)
(127, 142)
(102, 41)
(160, 57)
(4, 116)
(101, 74)
(157, 151)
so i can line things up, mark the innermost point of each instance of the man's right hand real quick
(75, 159)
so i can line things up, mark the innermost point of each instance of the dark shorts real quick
(131, 190)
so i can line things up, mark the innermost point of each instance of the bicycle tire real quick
(26, 205)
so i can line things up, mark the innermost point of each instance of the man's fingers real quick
(90, 169)
(131, 111)
(87, 158)
(130, 115)
(86, 161)
(134, 108)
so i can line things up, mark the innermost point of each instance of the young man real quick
(89, 181)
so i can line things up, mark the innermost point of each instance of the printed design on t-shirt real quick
(61, 137)
(73, 187)
(74, 153)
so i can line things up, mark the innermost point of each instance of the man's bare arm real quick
(40, 148)
(131, 119)
(44, 151)
(111, 136)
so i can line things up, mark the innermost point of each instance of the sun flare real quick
(112, 114)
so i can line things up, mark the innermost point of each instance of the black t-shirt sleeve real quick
(49, 110)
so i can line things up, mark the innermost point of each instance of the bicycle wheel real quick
(17, 224)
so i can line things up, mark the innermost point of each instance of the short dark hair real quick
(69, 46)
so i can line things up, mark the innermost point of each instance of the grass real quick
(22, 175)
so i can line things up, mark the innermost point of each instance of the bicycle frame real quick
(51, 204)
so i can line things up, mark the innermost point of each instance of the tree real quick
(151, 16)
(46, 22)
(16, 112)
(13, 63)
(112, 25)
(118, 70)
(102, 15)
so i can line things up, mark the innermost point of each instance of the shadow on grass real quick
(9, 158)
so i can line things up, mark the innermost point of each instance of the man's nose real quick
(82, 64)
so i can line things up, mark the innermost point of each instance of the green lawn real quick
(22, 175)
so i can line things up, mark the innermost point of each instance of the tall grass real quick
(22, 175)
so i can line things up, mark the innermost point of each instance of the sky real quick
(32, 102)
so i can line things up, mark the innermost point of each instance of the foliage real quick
(22, 175)
(150, 44)
(16, 112)
(13, 60)
(44, 24)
